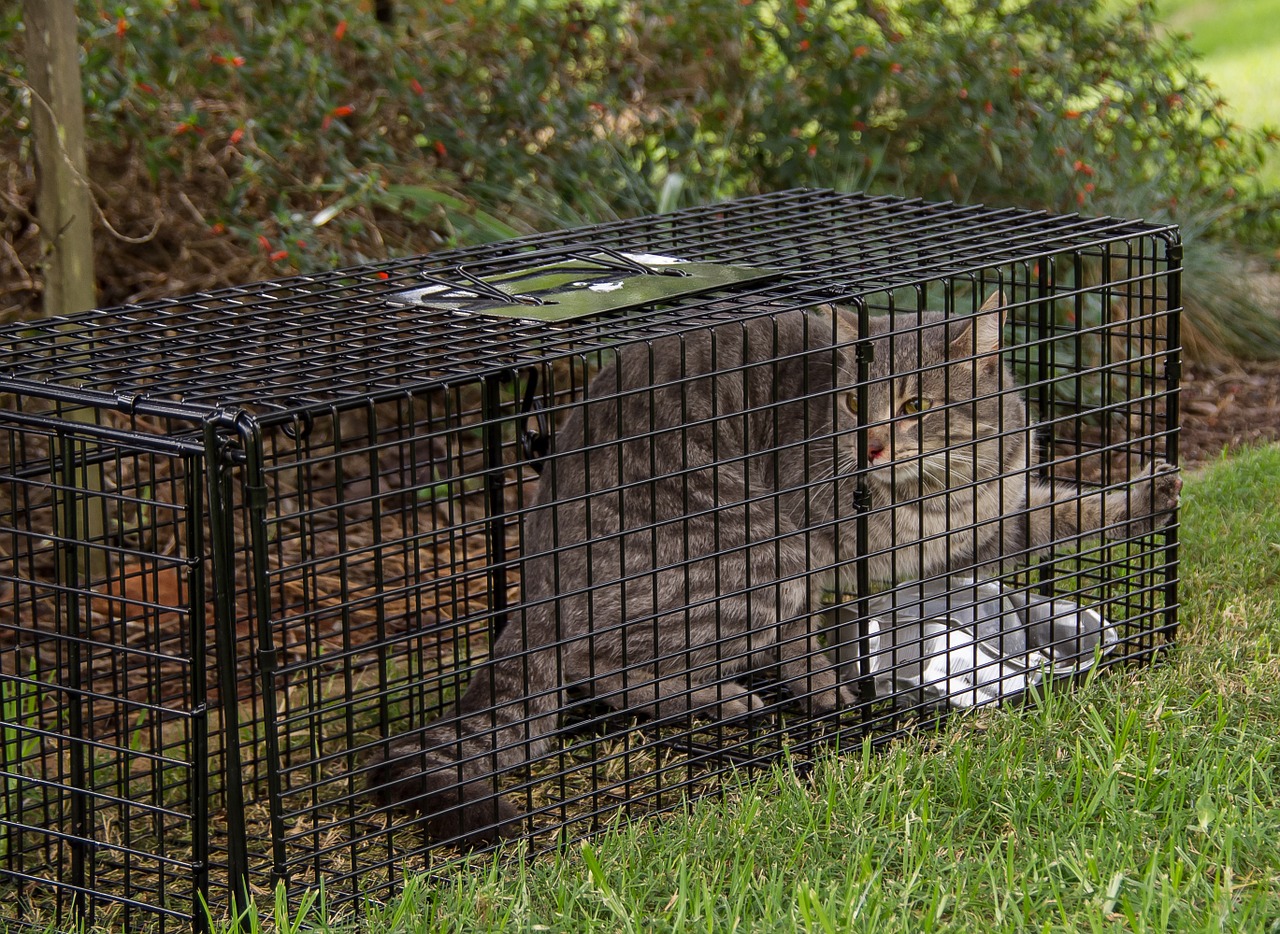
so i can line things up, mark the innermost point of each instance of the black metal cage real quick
(784, 472)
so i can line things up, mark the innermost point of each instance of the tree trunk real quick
(66, 241)
(57, 118)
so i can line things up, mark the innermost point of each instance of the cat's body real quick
(703, 498)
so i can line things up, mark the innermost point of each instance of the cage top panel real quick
(303, 343)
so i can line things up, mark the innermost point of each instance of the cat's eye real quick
(851, 400)
(915, 406)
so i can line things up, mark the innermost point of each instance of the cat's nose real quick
(874, 448)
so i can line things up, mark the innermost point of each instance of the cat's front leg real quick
(808, 671)
(1059, 513)
(675, 697)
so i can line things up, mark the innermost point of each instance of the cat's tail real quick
(449, 769)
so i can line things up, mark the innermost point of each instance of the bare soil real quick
(1225, 406)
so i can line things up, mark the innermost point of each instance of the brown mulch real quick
(1225, 406)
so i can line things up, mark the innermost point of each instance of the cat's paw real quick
(1166, 491)
(829, 700)
(1153, 501)
(727, 700)
(742, 706)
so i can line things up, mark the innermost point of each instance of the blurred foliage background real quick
(231, 141)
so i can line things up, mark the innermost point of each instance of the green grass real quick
(1146, 800)
(1240, 42)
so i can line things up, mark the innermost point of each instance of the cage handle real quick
(485, 289)
(600, 255)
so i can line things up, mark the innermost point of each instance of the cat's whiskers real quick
(931, 472)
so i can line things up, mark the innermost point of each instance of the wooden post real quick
(57, 119)
(66, 238)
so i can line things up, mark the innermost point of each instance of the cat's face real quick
(933, 411)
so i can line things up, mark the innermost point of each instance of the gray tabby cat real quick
(695, 511)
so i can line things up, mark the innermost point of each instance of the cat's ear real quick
(994, 301)
(981, 335)
(842, 322)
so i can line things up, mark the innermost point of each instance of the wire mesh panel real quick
(102, 657)
(340, 576)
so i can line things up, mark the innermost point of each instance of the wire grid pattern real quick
(106, 749)
(293, 344)
(313, 498)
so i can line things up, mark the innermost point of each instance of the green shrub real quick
(1051, 104)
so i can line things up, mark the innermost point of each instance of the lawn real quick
(1240, 42)
(1147, 800)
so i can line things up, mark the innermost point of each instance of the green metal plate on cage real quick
(586, 283)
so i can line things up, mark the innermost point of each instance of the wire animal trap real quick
(323, 579)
